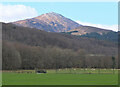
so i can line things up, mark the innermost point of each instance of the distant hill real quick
(94, 32)
(88, 29)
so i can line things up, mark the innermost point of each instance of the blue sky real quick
(100, 13)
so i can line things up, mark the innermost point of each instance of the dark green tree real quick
(114, 64)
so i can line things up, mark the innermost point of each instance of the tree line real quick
(20, 56)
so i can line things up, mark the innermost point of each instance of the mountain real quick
(54, 22)
(51, 22)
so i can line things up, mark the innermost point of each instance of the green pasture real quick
(63, 77)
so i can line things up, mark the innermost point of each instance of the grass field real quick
(62, 77)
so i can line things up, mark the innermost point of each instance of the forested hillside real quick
(29, 48)
(110, 36)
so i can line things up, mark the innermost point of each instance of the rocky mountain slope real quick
(51, 22)
(54, 22)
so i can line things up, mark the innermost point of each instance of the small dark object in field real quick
(41, 71)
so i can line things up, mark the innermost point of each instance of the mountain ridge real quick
(55, 22)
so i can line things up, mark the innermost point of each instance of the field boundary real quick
(60, 86)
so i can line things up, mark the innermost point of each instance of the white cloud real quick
(108, 27)
(11, 13)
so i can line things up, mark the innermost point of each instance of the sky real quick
(98, 14)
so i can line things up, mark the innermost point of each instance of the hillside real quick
(110, 36)
(30, 48)
(35, 37)
(88, 29)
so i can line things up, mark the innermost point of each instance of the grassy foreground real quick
(52, 78)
